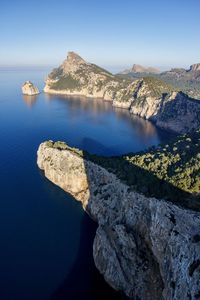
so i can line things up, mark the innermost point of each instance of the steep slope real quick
(169, 109)
(186, 80)
(78, 77)
(147, 97)
(153, 99)
(145, 247)
(28, 88)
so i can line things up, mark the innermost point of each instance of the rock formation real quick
(194, 68)
(147, 97)
(78, 77)
(29, 89)
(145, 247)
(141, 69)
(186, 80)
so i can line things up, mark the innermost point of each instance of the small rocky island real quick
(147, 206)
(147, 97)
(28, 88)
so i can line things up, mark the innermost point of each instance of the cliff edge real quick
(148, 97)
(145, 247)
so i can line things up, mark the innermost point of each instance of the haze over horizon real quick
(113, 35)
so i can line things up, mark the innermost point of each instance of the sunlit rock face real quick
(147, 248)
(29, 89)
(195, 68)
(147, 97)
(75, 76)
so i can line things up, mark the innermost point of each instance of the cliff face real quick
(78, 77)
(194, 68)
(173, 111)
(29, 89)
(147, 97)
(147, 248)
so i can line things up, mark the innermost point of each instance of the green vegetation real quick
(97, 69)
(158, 87)
(57, 72)
(66, 82)
(188, 82)
(170, 172)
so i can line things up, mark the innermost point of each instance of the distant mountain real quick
(194, 68)
(140, 69)
(187, 80)
(148, 97)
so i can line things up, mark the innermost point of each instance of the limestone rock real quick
(147, 248)
(173, 111)
(28, 88)
(147, 97)
(195, 68)
(77, 77)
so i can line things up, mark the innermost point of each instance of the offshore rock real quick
(28, 88)
(147, 248)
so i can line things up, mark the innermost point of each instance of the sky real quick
(113, 34)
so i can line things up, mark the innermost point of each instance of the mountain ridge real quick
(148, 97)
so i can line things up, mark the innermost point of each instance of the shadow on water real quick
(84, 281)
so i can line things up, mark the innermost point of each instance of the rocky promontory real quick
(148, 97)
(145, 247)
(77, 77)
(28, 88)
(194, 68)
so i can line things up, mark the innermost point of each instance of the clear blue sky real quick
(109, 33)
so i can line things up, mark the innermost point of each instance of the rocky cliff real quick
(78, 77)
(186, 80)
(147, 97)
(28, 88)
(194, 68)
(168, 109)
(147, 248)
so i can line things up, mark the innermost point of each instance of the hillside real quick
(147, 97)
(187, 81)
(140, 240)
(170, 171)
(78, 77)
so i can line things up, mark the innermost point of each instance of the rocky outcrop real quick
(78, 77)
(173, 111)
(147, 97)
(28, 88)
(147, 248)
(194, 68)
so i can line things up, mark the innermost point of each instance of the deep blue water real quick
(46, 238)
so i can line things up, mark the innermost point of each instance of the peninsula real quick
(147, 97)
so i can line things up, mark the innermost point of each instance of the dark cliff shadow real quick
(84, 281)
(145, 182)
(181, 107)
(78, 285)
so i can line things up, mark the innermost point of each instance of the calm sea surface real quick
(46, 238)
